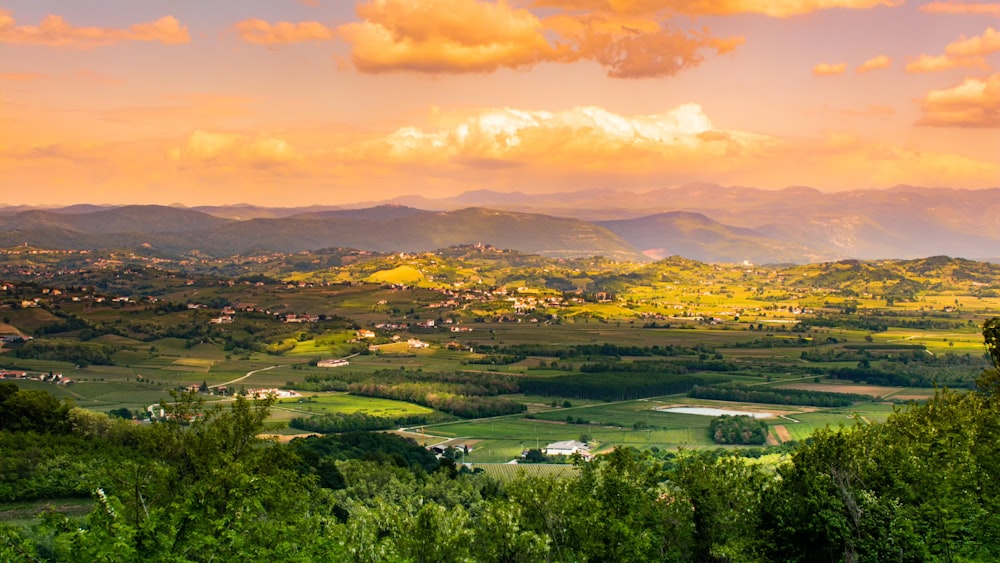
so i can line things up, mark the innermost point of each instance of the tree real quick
(989, 381)
(210, 489)
(31, 410)
(725, 499)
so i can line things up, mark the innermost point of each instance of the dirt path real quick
(249, 373)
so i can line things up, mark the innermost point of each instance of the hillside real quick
(696, 236)
(383, 228)
(702, 221)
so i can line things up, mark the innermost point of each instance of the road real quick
(248, 374)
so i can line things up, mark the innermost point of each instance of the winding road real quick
(248, 374)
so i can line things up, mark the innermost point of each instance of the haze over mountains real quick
(705, 222)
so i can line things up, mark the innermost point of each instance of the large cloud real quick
(445, 36)
(773, 8)
(583, 137)
(453, 36)
(973, 103)
(56, 31)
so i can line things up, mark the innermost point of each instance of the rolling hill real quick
(383, 228)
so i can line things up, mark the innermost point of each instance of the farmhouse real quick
(259, 393)
(567, 447)
(332, 363)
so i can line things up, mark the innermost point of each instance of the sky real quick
(299, 102)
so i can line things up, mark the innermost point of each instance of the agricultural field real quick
(322, 403)
(495, 336)
(505, 472)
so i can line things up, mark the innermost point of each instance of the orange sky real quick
(296, 102)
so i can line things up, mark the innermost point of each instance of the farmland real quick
(682, 393)
(592, 362)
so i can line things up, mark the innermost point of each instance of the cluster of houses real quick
(50, 377)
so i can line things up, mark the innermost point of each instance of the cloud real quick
(498, 148)
(928, 63)
(54, 31)
(508, 148)
(777, 9)
(215, 149)
(636, 47)
(965, 52)
(874, 63)
(571, 143)
(826, 69)
(445, 36)
(973, 103)
(458, 36)
(976, 46)
(265, 33)
(962, 8)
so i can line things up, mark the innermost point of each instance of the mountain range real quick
(706, 222)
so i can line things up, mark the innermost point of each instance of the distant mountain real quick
(695, 236)
(385, 228)
(243, 212)
(699, 220)
(377, 213)
(128, 219)
(900, 222)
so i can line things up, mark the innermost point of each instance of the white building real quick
(567, 447)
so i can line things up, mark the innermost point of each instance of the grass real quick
(506, 472)
(323, 403)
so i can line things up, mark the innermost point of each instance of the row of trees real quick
(614, 386)
(349, 422)
(440, 397)
(776, 396)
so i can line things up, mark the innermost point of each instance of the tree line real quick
(776, 395)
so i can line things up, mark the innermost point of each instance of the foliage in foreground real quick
(924, 486)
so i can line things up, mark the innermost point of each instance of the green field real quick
(322, 403)
(505, 472)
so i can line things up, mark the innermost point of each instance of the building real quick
(567, 447)
(332, 363)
